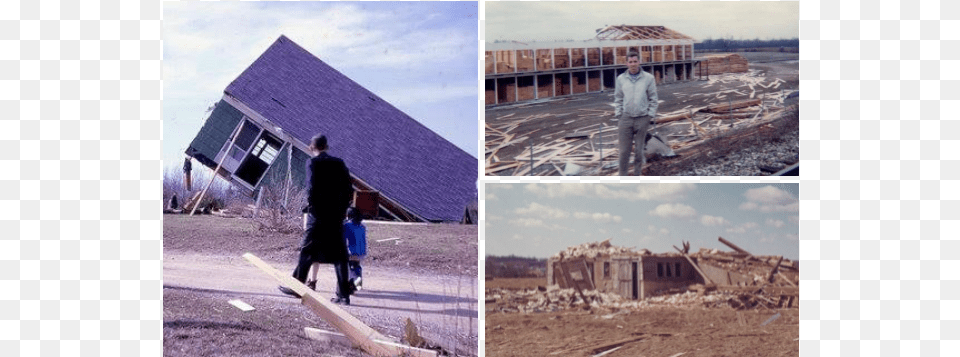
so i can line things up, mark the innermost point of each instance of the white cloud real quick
(655, 230)
(599, 217)
(602, 231)
(711, 221)
(538, 210)
(743, 228)
(630, 192)
(528, 222)
(490, 196)
(770, 199)
(627, 230)
(674, 210)
(776, 223)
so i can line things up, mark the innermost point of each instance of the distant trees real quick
(731, 44)
(514, 267)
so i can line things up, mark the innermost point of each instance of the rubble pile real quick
(597, 249)
(758, 267)
(556, 299)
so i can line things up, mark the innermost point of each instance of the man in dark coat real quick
(329, 192)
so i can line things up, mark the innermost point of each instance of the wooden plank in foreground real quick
(359, 333)
(330, 336)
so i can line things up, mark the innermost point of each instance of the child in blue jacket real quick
(356, 235)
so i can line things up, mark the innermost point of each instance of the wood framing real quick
(514, 69)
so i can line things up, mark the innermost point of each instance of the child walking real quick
(356, 235)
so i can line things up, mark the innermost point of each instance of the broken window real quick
(606, 269)
(677, 270)
(660, 270)
(259, 159)
(668, 270)
(265, 151)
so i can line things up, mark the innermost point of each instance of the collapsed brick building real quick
(640, 274)
(517, 71)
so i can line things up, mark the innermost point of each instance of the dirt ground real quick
(427, 275)
(594, 110)
(651, 331)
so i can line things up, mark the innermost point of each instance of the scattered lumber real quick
(725, 107)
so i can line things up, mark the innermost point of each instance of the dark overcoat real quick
(329, 192)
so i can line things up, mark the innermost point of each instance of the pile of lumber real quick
(724, 63)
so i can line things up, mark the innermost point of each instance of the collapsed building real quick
(516, 71)
(639, 274)
(258, 134)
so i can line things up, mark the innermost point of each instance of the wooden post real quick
(286, 192)
(776, 269)
(734, 246)
(219, 164)
(695, 266)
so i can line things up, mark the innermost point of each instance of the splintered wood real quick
(586, 146)
(731, 102)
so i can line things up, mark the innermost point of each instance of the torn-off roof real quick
(627, 32)
(381, 145)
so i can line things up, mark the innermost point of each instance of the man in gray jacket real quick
(635, 103)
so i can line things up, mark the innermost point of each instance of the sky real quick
(421, 57)
(557, 21)
(540, 220)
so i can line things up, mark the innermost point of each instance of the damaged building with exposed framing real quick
(258, 135)
(516, 71)
(640, 274)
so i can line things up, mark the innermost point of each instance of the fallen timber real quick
(594, 147)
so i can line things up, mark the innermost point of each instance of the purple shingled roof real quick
(381, 145)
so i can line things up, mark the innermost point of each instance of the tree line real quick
(730, 43)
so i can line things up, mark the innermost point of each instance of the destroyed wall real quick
(666, 272)
(623, 271)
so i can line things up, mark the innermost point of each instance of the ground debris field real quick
(733, 124)
(664, 326)
(424, 272)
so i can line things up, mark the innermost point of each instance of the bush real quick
(280, 205)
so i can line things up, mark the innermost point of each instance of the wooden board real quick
(356, 331)
(330, 336)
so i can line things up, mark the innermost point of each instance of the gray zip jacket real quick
(635, 97)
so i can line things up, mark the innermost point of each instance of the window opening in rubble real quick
(668, 270)
(606, 269)
(659, 270)
(634, 278)
(677, 270)
(590, 270)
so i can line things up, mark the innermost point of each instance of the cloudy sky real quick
(419, 56)
(528, 21)
(539, 220)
